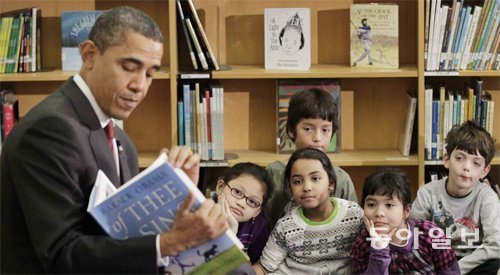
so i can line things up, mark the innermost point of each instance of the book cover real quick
(286, 89)
(147, 205)
(287, 38)
(374, 35)
(406, 130)
(75, 28)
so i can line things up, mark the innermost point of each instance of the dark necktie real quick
(110, 133)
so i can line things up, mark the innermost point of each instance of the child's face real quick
(386, 212)
(465, 170)
(313, 132)
(310, 184)
(291, 41)
(248, 188)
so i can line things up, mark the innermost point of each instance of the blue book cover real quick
(435, 130)
(180, 122)
(75, 28)
(147, 205)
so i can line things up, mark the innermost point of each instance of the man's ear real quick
(219, 187)
(88, 50)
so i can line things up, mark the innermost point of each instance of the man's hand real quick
(182, 157)
(190, 229)
(233, 223)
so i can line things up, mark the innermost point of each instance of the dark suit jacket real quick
(49, 164)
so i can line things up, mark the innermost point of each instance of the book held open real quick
(147, 205)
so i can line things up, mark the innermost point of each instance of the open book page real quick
(147, 205)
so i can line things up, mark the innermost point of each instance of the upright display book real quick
(406, 130)
(75, 28)
(287, 38)
(374, 36)
(286, 89)
(147, 205)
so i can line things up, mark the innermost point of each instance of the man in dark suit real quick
(50, 161)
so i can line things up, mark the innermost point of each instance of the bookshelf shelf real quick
(316, 71)
(58, 75)
(345, 158)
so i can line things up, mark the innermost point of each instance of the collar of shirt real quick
(103, 117)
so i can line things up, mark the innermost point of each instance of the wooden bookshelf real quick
(236, 34)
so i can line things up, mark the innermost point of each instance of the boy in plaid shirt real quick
(392, 242)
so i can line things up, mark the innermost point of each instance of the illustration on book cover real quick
(374, 36)
(287, 38)
(75, 28)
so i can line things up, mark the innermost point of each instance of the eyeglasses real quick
(237, 193)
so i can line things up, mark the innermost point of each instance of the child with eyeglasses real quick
(242, 192)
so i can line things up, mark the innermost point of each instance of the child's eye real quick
(296, 181)
(370, 204)
(307, 129)
(477, 164)
(327, 130)
(316, 178)
(389, 205)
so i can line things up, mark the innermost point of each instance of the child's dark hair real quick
(255, 171)
(388, 182)
(472, 139)
(312, 103)
(308, 153)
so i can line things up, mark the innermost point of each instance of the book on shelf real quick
(406, 129)
(147, 205)
(189, 43)
(75, 28)
(203, 115)
(10, 112)
(374, 36)
(20, 40)
(205, 57)
(287, 36)
(286, 89)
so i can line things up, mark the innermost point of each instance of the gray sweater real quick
(461, 217)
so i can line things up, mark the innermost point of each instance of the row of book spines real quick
(201, 120)
(19, 41)
(462, 37)
(200, 52)
(454, 110)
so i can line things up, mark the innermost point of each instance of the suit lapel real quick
(97, 138)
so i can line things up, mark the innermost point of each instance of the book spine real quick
(187, 114)
(478, 87)
(204, 39)
(435, 130)
(428, 123)
(196, 43)
(8, 119)
(180, 123)
(186, 35)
